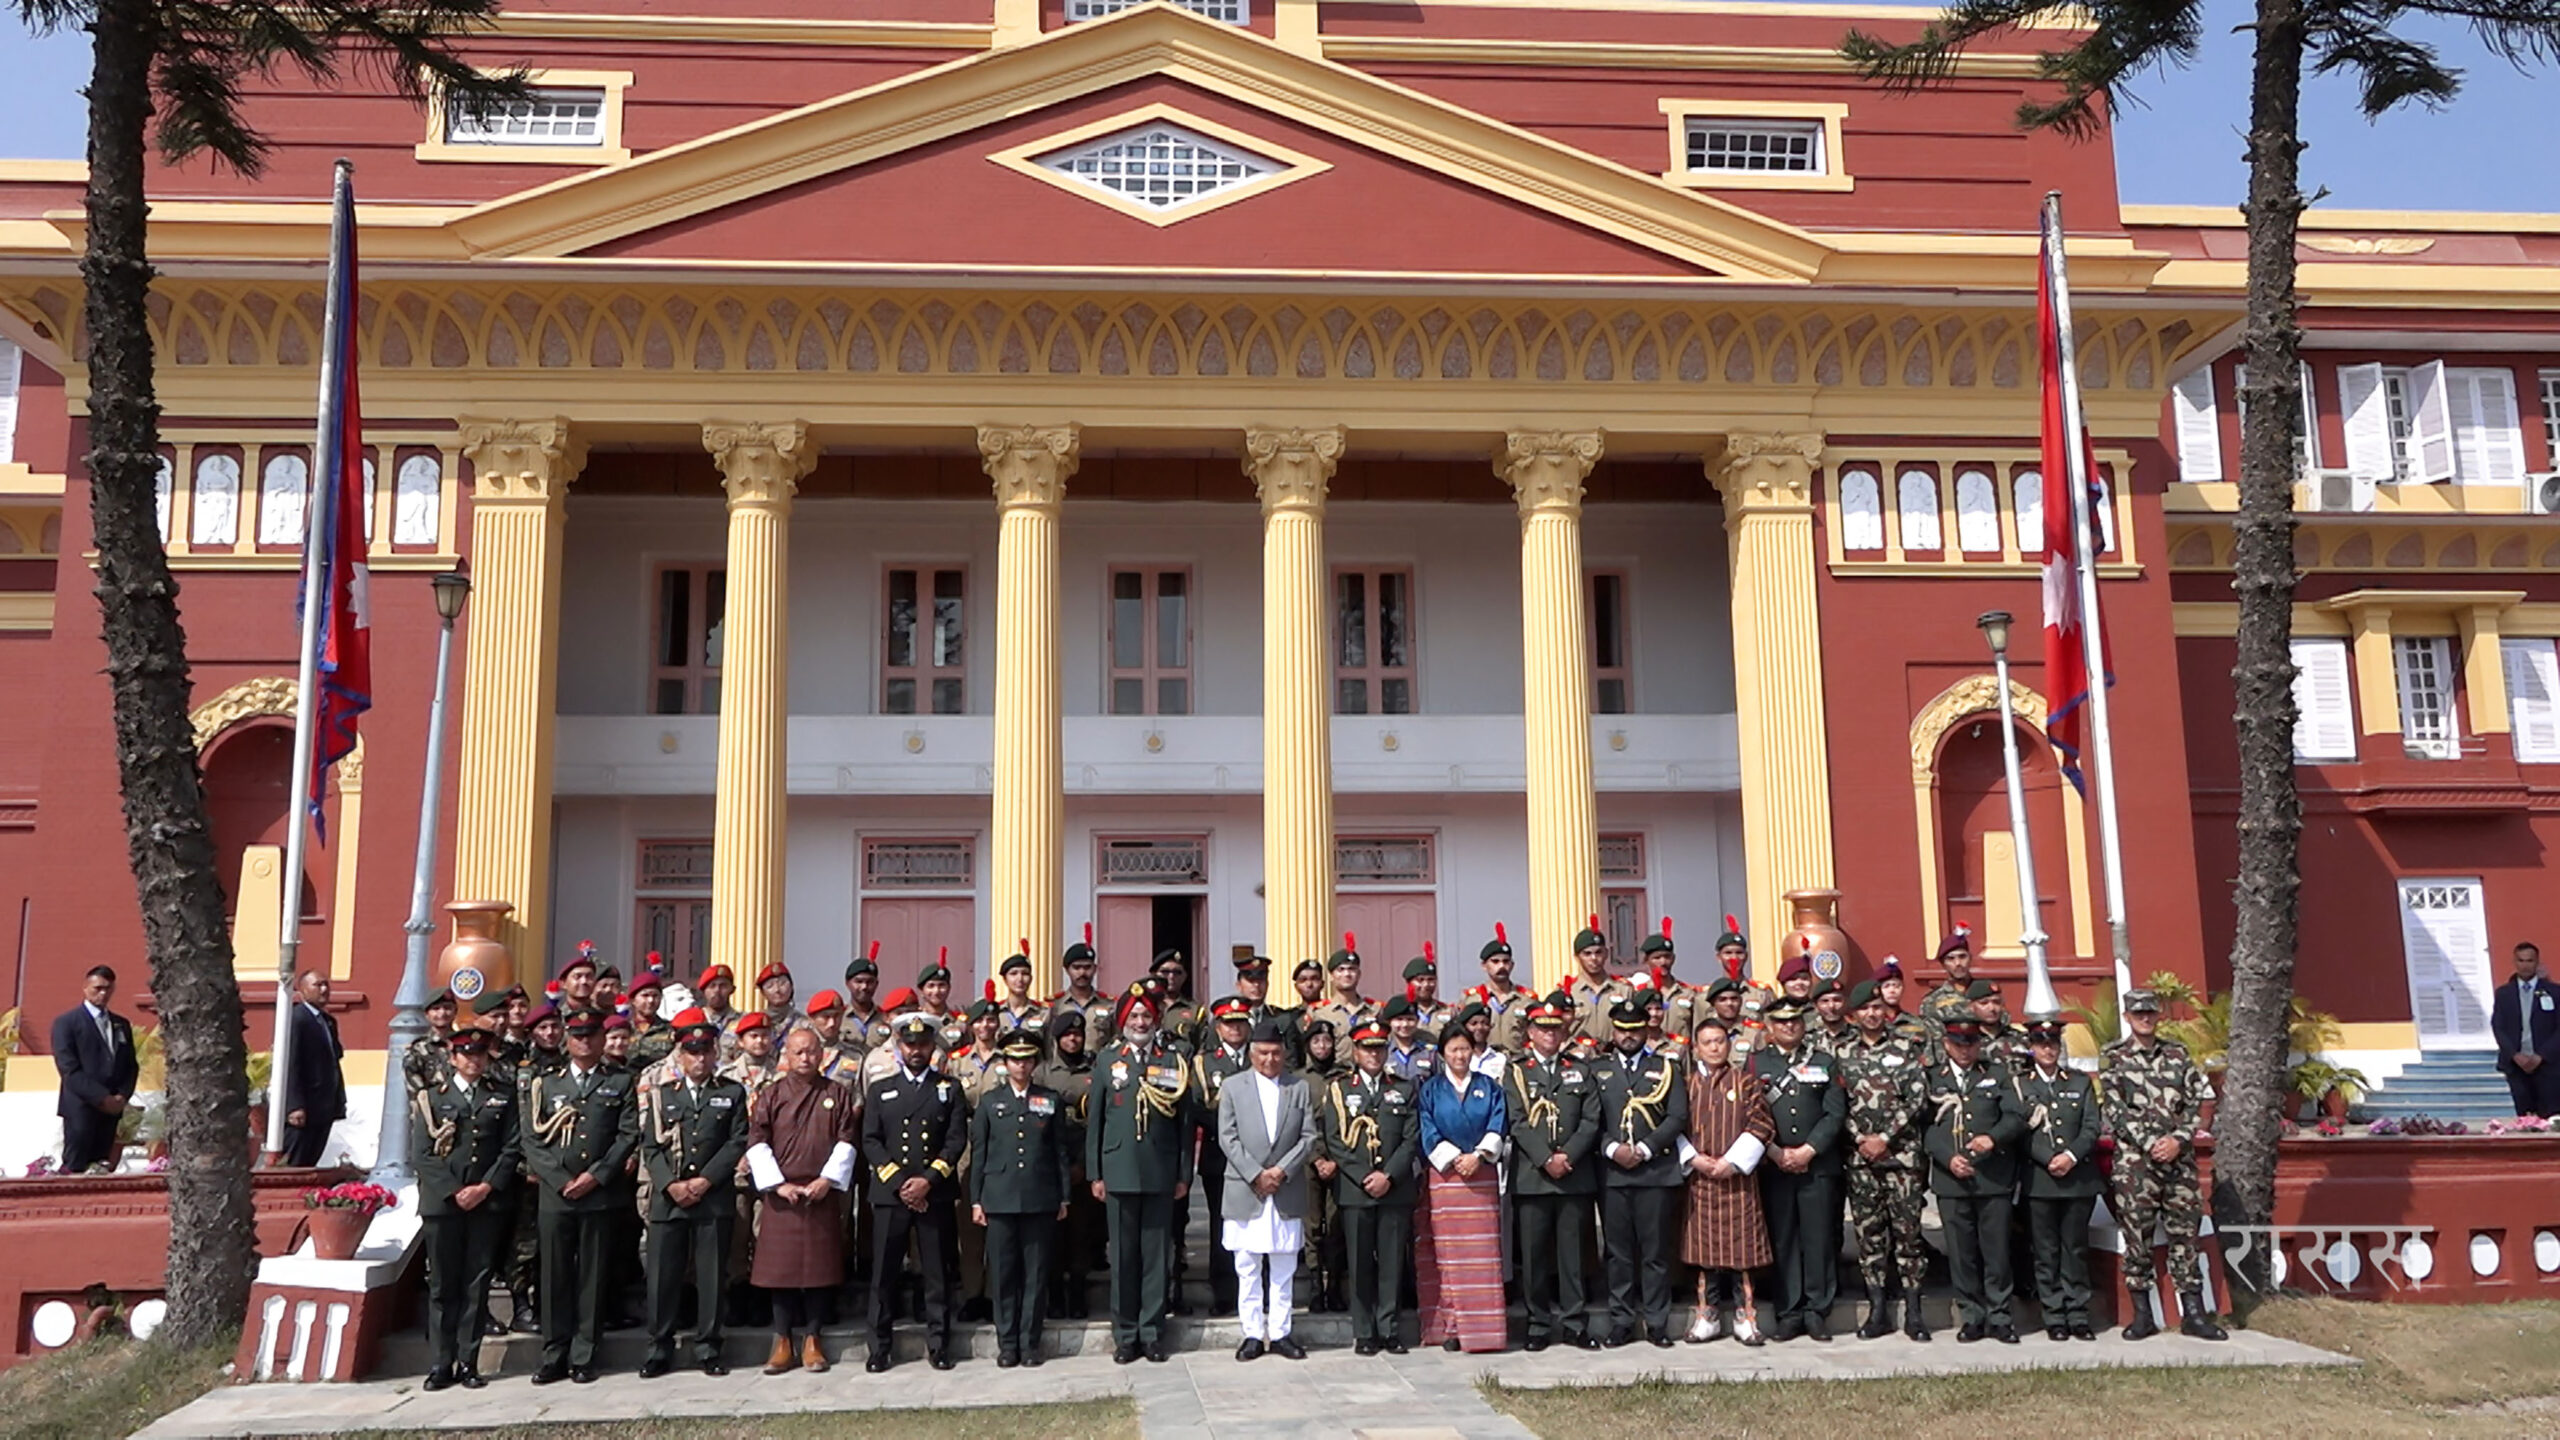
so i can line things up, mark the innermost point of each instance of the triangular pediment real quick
(846, 174)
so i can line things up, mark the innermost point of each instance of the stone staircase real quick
(2449, 1084)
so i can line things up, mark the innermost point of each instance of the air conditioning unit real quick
(2542, 493)
(2335, 491)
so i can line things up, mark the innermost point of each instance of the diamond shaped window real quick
(1159, 166)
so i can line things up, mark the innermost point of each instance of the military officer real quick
(1090, 1007)
(751, 1063)
(1947, 997)
(1554, 1111)
(2154, 1096)
(693, 1134)
(1911, 1028)
(866, 1021)
(1185, 1019)
(1221, 1059)
(1368, 1131)
(1069, 1071)
(974, 1063)
(1593, 989)
(837, 1061)
(915, 1126)
(1018, 1178)
(1644, 1111)
(1508, 1004)
(1431, 1014)
(426, 1063)
(1725, 1000)
(1800, 1182)
(1733, 957)
(1138, 1146)
(462, 1145)
(1830, 1030)
(1975, 1126)
(653, 1038)
(2003, 1044)
(1881, 1075)
(1343, 1006)
(576, 1131)
(1016, 1005)
(2063, 1122)
(517, 1262)
(1679, 1001)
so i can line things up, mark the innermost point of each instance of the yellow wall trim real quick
(19, 482)
(37, 172)
(2377, 1035)
(744, 29)
(1758, 59)
(2227, 217)
(1834, 175)
(1025, 160)
(1784, 8)
(26, 610)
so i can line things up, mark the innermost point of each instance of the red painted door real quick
(1391, 927)
(912, 929)
(1123, 939)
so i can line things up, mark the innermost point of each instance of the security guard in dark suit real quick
(1975, 1124)
(915, 1125)
(1368, 1130)
(462, 1146)
(2063, 1121)
(1555, 1176)
(1644, 1109)
(1810, 1113)
(576, 1130)
(1138, 1160)
(693, 1133)
(1018, 1164)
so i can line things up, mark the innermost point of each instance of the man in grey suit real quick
(1267, 1132)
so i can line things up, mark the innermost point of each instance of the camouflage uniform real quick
(1945, 1000)
(1888, 1093)
(2150, 1092)
(426, 1064)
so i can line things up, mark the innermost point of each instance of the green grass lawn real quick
(2484, 1370)
(1114, 1419)
(106, 1387)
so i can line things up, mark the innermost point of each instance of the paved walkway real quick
(1332, 1395)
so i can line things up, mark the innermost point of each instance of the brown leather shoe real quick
(781, 1360)
(812, 1359)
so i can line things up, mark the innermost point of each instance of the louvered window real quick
(2324, 720)
(2533, 697)
(2423, 667)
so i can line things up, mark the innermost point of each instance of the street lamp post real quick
(409, 1003)
(2042, 1002)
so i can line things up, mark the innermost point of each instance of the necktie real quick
(107, 1031)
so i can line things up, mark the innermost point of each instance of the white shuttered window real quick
(1917, 491)
(2533, 697)
(1861, 511)
(1977, 514)
(2423, 667)
(2324, 718)
(10, 367)
(2364, 397)
(2199, 427)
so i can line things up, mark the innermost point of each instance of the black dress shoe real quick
(2081, 1331)
(877, 1361)
(940, 1359)
(655, 1366)
(1817, 1327)
(2141, 1326)
(715, 1368)
(1033, 1357)
(1660, 1340)
(1969, 1332)
(1915, 1327)
(1393, 1347)
(1287, 1348)
(1124, 1354)
(1249, 1350)
(550, 1374)
(437, 1379)
(1156, 1353)
(1452, 1345)
(1582, 1342)
(1007, 1359)
(2005, 1334)
(1364, 1347)
(2057, 1333)
(1621, 1340)
(468, 1377)
(491, 1327)
(582, 1374)
(1536, 1344)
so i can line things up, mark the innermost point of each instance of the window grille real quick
(1383, 860)
(1232, 12)
(919, 865)
(2423, 665)
(1756, 147)
(1162, 167)
(1622, 857)
(1155, 860)
(675, 865)
(545, 117)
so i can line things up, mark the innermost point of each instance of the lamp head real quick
(1995, 628)
(451, 589)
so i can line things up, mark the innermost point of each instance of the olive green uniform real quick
(2063, 1118)
(572, 1125)
(460, 1136)
(690, 1132)
(1369, 1125)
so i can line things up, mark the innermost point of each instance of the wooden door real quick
(1124, 929)
(680, 931)
(1391, 926)
(912, 929)
(2445, 933)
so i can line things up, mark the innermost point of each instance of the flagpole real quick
(326, 457)
(2085, 565)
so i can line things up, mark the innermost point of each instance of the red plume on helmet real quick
(1088, 932)
(874, 955)
(1428, 954)
(657, 963)
(1666, 927)
(1500, 938)
(991, 992)
(1350, 942)
(1594, 922)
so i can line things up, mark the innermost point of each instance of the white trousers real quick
(1262, 1321)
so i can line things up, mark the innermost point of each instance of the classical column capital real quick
(1290, 467)
(1766, 471)
(1546, 468)
(761, 463)
(1030, 463)
(525, 462)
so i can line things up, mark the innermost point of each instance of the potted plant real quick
(340, 1214)
(2332, 1087)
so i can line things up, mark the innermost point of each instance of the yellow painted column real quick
(521, 471)
(1030, 465)
(1767, 484)
(1546, 470)
(1290, 469)
(761, 466)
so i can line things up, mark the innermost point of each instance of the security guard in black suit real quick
(915, 1125)
(462, 1146)
(576, 1131)
(1018, 1164)
(1555, 1176)
(2063, 1121)
(1810, 1113)
(693, 1133)
(1137, 1158)
(1975, 1124)
(1644, 1110)
(1368, 1130)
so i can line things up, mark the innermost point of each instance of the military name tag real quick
(940, 1092)
(888, 1094)
(1890, 1060)
(1808, 1074)
(1395, 1098)
(722, 1102)
(1043, 1105)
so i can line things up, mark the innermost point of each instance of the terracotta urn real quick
(1815, 933)
(475, 961)
(337, 1231)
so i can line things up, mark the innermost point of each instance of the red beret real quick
(752, 1020)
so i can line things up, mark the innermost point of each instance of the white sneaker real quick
(1704, 1328)
(1746, 1329)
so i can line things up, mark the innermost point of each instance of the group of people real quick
(1413, 1154)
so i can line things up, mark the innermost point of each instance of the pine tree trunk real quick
(212, 1242)
(2267, 890)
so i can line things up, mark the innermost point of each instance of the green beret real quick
(1417, 967)
(1982, 990)
(1864, 994)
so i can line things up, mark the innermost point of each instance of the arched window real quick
(163, 486)
(369, 496)
(2027, 498)
(1917, 494)
(416, 498)
(216, 503)
(1977, 514)
(281, 487)
(1861, 511)
(2102, 504)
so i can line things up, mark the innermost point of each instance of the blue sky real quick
(2180, 143)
